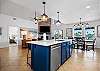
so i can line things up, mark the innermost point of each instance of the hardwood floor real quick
(14, 59)
(82, 61)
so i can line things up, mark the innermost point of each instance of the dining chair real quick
(80, 42)
(90, 43)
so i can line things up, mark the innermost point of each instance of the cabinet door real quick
(68, 50)
(40, 58)
(63, 53)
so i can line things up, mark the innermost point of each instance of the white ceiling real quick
(70, 10)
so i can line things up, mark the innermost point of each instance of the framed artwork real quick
(0, 31)
(98, 31)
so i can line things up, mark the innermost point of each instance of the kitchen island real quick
(49, 55)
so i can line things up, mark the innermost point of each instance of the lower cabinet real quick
(63, 52)
(40, 58)
(66, 51)
(46, 58)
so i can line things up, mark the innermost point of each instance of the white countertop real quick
(47, 42)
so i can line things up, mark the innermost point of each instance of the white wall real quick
(6, 21)
(95, 23)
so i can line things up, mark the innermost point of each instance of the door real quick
(13, 35)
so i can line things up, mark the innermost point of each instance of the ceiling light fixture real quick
(81, 24)
(88, 7)
(35, 18)
(44, 17)
(58, 23)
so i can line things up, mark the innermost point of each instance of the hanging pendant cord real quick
(44, 6)
(35, 14)
(80, 20)
(58, 15)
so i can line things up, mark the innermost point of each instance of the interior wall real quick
(0, 6)
(95, 23)
(6, 21)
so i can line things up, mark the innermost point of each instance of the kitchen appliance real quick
(55, 57)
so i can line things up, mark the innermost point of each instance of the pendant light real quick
(58, 23)
(35, 18)
(44, 17)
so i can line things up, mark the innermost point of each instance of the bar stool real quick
(28, 54)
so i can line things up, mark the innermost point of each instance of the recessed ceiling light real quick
(88, 7)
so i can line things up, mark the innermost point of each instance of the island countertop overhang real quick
(48, 42)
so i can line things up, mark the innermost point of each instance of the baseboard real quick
(97, 47)
(4, 44)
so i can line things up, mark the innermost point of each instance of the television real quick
(44, 29)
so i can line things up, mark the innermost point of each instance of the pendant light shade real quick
(44, 17)
(58, 23)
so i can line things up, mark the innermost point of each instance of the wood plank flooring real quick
(82, 61)
(14, 59)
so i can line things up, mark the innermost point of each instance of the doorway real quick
(13, 35)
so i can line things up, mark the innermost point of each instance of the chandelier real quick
(81, 23)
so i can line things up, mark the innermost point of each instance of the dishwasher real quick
(55, 57)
